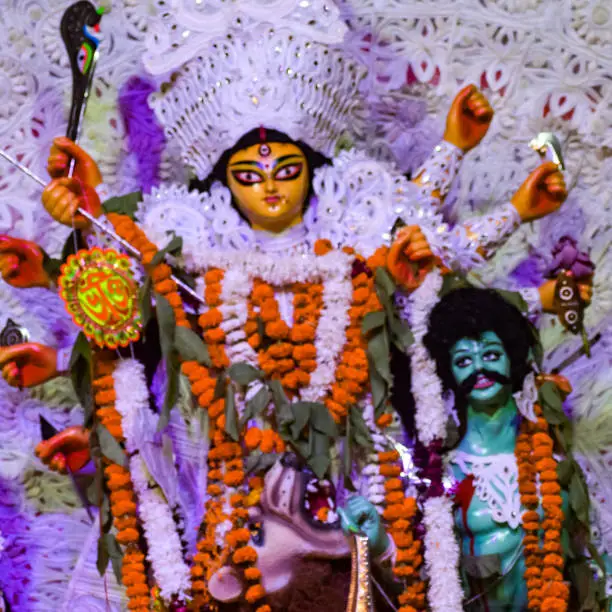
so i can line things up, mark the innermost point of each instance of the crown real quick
(276, 68)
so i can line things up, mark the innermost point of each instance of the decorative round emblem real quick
(264, 150)
(13, 334)
(100, 294)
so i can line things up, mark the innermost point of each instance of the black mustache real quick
(468, 384)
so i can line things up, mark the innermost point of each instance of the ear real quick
(225, 585)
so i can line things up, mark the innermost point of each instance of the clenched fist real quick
(63, 151)
(21, 263)
(410, 257)
(63, 196)
(542, 192)
(28, 365)
(66, 449)
(468, 119)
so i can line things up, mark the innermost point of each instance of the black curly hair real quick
(469, 312)
(466, 312)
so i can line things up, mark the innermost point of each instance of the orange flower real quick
(252, 438)
(252, 573)
(233, 479)
(277, 330)
(238, 536)
(322, 247)
(268, 437)
(247, 554)
(127, 535)
(255, 593)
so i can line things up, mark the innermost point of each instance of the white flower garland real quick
(441, 548)
(164, 551)
(164, 546)
(431, 414)
(442, 556)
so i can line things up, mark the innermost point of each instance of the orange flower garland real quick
(546, 589)
(352, 375)
(119, 482)
(399, 513)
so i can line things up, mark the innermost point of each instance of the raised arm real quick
(467, 122)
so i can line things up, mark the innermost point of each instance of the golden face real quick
(270, 183)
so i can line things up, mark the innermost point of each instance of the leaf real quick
(450, 282)
(379, 390)
(243, 373)
(144, 301)
(220, 387)
(124, 205)
(283, 406)
(378, 351)
(231, 422)
(319, 460)
(322, 421)
(190, 346)
(550, 396)
(167, 336)
(173, 370)
(255, 405)
(111, 449)
(115, 554)
(301, 415)
(103, 556)
(347, 455)
(565, 469)
(172, 248)
(579, 497)
(167, 324)
(514, 298)
(372, 320)
(400, 333)
(81, 374)
(259, 462)
(359, 430)
(384, 282)
(51, 265)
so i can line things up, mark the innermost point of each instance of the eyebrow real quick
(276, 162)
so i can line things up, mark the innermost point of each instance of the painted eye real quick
(286, 173)
(257, 532)
(247, 177)
(463, 362)
(491, 356)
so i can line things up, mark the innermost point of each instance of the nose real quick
(270, 185)
(478, 362)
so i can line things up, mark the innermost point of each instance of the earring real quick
(527, 397)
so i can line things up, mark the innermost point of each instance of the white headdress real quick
(244, 65)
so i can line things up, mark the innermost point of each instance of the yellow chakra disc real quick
(101, 295)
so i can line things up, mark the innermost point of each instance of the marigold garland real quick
(400, 512)
(544, 563)
(119, 482)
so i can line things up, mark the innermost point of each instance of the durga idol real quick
(288, 241)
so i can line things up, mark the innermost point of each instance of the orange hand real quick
(547, 293)
(542, 192)
(28, 365)
(62, 198)
(560, 381)
(68, 448)
(62, 152)
(21, 263)
(410, 258)
(468, 119)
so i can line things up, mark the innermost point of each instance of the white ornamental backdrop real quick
(544, 64)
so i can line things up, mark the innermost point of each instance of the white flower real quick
(442, 556)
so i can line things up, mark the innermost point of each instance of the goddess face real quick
(481, 368)
(269, 183)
